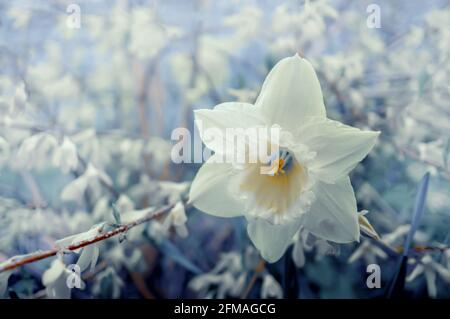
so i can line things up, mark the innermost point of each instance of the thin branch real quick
(258, 269)
(39, 255)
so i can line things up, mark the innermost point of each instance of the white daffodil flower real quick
(308, 183)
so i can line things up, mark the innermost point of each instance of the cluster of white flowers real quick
(432, 270)
(231, 277)
(304, 241)
(226, 279)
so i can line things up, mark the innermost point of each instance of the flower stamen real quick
(281, 163)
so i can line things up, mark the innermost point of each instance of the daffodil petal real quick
(333, 215)
(339, 148)
(210, 190)
(291, 93)
(271, 240)
(212, 124)
(298, 254)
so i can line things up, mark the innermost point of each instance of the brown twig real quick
(139, 283)
(100, 237)
(424, 249)
(258, 269)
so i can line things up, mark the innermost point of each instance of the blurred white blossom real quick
(34, 151)
(271, 289)
(227, 276)
(55, 280)
(65, 156)
(92, 177)
(177, 218)
(108, 284)
(431, 269)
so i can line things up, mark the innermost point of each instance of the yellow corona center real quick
(280, 163)
(278, 190)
